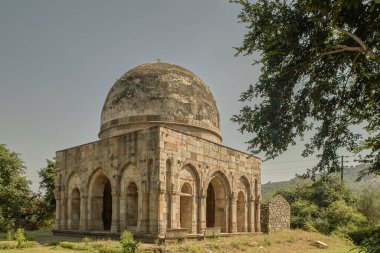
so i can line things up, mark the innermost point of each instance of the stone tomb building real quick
(158, 164)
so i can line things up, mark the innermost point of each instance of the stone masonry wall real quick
(197, 161)
(275, 215)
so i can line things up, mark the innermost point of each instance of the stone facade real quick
(275, 215)
(152, 173)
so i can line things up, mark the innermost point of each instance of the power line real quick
(269, 163)
(280, 169)
(283, 172)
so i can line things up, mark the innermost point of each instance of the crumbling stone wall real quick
(275, 215)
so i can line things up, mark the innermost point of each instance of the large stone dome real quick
(160, 94)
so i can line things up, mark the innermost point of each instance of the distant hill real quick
(350, 174)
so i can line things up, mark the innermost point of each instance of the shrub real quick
(109, 250)
(27, 244)
(368, 239)
(8, 245)
(20, 236)
(127, 242)
(66, 245)
(53, 243)
(88, 243)
(371, 245)
(267, 241)
(9, 235)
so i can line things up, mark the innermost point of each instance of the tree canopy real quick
(324, 206)
(20, 207)
(320, 74)
(47, 183)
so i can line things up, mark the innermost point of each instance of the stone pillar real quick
(257, 219)
(89, 213)
(69, 215)
(57, 224)
(83, 213)
(161, 214)
(251, 213)
(122, 212)
(228, 213)
(173, 207)
(168, 209)
(63, 213)
(202, 213)
(233, 228)
(145, 208)
(246, 215)
(115, 212)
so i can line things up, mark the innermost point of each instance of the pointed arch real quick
(130, 180)
(218, 202)
(188, 185)
(73, 201)
(242, 206)
(132, 205)
(100, 204)
(186, 207)
(75, 208)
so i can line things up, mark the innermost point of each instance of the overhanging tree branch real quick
(365, 48)
(343, 49)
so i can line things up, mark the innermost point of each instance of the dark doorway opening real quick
(107, 206)
(210, 206)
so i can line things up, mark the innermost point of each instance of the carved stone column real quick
(83, 213)
(69, 214)
(246, 215)
(233, 228)
(57, 224)
(145, 208)
(257, 216)
(115, 212)
(202, 213)
(251, 214)
(63, 212)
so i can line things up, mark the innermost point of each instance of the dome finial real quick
(158, 60)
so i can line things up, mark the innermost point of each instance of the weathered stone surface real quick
(162, 172)
(160, 93)
(275, 215)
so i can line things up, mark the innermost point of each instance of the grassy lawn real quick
(294, 241)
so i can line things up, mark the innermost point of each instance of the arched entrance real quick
(132, 205)
(75, 209)
(186, 207)
(217, 204)
(101, 204)
(240, 212)
(210, 206)
(107, 206)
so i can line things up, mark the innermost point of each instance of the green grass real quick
(294, 241)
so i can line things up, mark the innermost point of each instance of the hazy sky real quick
(58, 60)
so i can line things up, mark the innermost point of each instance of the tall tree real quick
(320, 73)
(20, 207)
(47, 184)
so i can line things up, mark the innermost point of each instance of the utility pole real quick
(341, 173)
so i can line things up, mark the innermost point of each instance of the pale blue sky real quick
(58, 59)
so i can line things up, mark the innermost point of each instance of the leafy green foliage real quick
(320, 71)
(47, 183)
(20, 207)
(127, 242)
(20, 242)
(369, 205)
(371, 242)
(323, 206)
